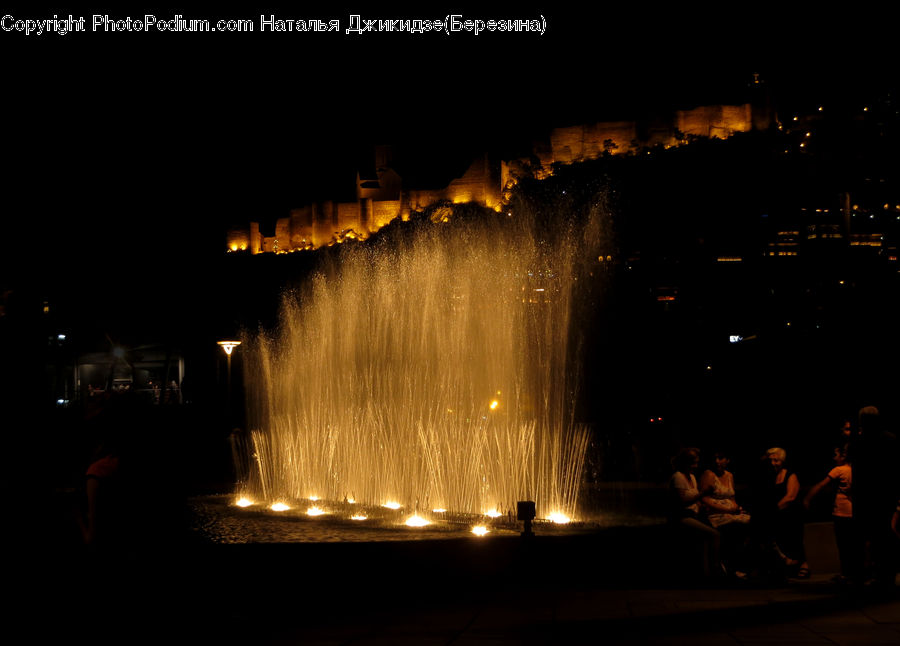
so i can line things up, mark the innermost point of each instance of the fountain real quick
(430, 371)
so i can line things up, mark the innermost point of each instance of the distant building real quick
(382, 197)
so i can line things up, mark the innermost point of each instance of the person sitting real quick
(724, 513)
(685, 508)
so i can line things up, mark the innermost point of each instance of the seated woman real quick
(685, 508)
(720, 504)
(724, 513)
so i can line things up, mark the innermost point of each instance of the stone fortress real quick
(382, 196)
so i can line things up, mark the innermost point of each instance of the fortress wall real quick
(301, 227)
(483, 181)
(349, 216)
(420, 199)
(255, 238)
(715, 120)
(238, 239)
(326, 222)
(477, 184)
(576, 143)
(283, 233)
(383, 211)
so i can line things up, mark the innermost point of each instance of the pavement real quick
(613, 587)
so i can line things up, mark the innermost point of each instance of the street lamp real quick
(229, 347)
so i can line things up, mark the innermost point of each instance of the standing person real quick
(846, 433)
(850, 549)
(685, 508)
(875, 457)
(776, 516)
(101, 524)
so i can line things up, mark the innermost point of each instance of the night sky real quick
(127, 155)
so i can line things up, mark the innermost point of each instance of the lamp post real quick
(229, 347)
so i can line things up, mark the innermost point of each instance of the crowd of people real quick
(763, 534)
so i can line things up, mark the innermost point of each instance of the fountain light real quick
(243, 502)
(390, 504)
(416, 521)
(279, 506)
(314, 498)
(358, 517)
(479, 530)
(439, 510)
(493, 513)
(559, 518)
(314, 511)
(352, 501)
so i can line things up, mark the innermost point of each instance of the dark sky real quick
(124, 150)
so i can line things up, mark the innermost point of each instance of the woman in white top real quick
(725, 514)
(720, 503)
(685, 507)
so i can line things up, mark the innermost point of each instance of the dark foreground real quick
(620, 585)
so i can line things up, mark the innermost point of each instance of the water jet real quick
(431, 370)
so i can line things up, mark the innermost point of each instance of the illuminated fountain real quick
(431, 373)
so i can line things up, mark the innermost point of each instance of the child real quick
(850, 550)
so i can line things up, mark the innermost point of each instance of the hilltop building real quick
(382, 196)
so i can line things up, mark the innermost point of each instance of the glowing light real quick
(439, 510)
(392, 505)
(234, 247)
(352, 501)
(314, 511)
(416, 521)
(279, 506)
(493, 513)
(479, 530)
(359, 517)
(314, 498)
(559, 518)
(494, 404)
(244, 502)
(228, 346)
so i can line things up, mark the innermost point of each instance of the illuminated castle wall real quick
(382, 197)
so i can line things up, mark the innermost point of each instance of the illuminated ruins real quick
(383, 197)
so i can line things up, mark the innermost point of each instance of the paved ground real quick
(595, 589)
